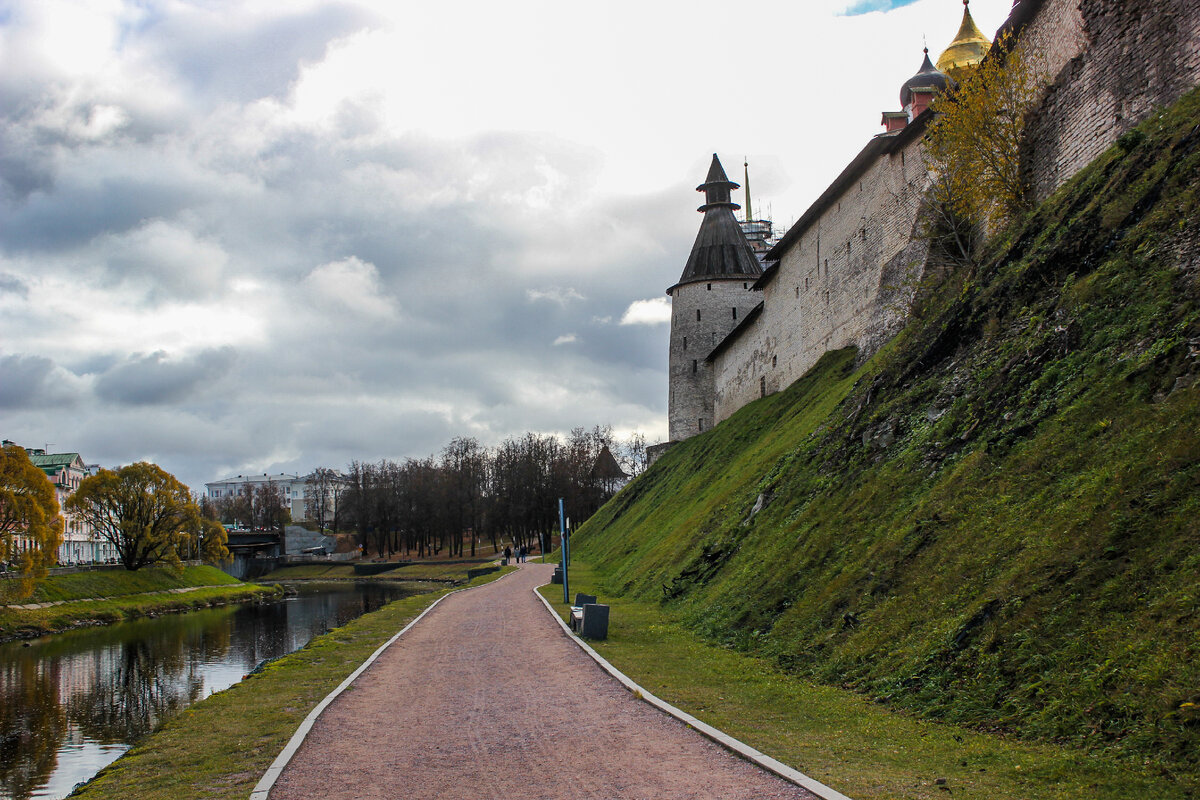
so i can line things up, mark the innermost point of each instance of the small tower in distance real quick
(711, 297)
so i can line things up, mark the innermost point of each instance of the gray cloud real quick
(156, 379)
(220, 56)
(13, 285)
(33, 382)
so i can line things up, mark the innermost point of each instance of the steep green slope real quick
(994, 521)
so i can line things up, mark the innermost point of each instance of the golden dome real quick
(967, 50)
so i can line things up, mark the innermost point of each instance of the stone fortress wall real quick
(849, 266)
(1112, 63)
(847, 279)
(702, 314)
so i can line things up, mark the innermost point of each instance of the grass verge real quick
(220, 747)
(433, 571)
(100, 598)
(834, 735)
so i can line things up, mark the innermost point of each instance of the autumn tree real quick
(31, 527)
(974, 142)
(147, 515)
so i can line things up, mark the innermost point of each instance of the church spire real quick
(749, 207)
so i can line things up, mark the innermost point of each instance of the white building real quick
(293, 489)
(80, 544)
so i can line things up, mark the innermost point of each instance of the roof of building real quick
(51, 463)
(968, 48)
(283, 476)
(721, 250)
(606, 466)
(927, 77)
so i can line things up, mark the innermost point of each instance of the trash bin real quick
(595, 621)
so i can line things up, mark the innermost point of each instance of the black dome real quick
(928, 75)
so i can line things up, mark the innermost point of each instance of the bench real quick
(581, 600)
(589, 618)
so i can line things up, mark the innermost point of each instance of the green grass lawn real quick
(114, 582)
(837, 736)
(220, 747)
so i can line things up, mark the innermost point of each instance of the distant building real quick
(80, 543)
(293, 488)
(608, 471)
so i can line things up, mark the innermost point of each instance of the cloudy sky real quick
(252, 236)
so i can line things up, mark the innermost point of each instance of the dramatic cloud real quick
(267, 236)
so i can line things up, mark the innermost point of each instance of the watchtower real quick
(711, 298)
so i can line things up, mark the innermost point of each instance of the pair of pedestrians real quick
(521, 553)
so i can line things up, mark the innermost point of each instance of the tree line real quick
(469, 495)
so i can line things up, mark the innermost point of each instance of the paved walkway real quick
(487, 698)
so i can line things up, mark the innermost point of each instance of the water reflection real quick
(72, 703)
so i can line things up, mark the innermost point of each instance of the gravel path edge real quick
(720, 737)
(263, 788)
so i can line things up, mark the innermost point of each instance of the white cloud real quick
(656, 311)
(554, 294)
(350, 283)
(566, 338)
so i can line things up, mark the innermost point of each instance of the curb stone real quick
(720, 737)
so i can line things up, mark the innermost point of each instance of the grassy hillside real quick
(994, 521)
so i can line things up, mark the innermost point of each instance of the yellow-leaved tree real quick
(31, 527)
(148, 516)
(974, 142)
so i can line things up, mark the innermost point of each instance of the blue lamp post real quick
(562, 527)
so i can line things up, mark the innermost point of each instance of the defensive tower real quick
(710, 299)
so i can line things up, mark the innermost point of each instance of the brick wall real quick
(1131, 57)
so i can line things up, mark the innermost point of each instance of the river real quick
(72, 703)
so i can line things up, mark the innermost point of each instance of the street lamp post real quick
(562, 526)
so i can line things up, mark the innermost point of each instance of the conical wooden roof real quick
(721, 250)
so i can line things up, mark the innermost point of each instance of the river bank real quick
(450, 573)
(66, 602)
(220, 747)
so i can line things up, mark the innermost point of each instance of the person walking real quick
(507, 553)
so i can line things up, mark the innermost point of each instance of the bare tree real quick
(319, 495)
